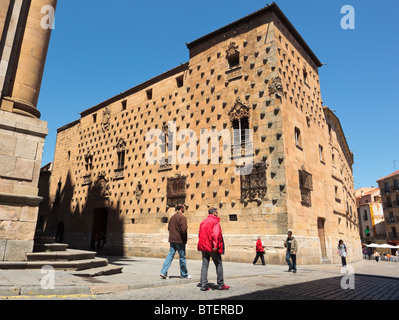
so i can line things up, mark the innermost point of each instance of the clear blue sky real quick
(101, 48)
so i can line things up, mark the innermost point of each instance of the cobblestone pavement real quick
(286, 287)
(363, 280)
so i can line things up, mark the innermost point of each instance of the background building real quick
(23, 50)
(371, 216)
(256, 73)
(389, 188)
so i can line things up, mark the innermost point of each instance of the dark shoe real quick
(224, 287)
(289, 270)
(294, 271)
(205, 289)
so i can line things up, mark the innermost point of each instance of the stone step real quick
(67, 255)
(43, 247)
(99, 271)
(73, 265)
(44, 239)
(325, 260)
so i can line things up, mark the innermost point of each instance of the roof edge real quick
(273, 7)
(171, 72)
(389, 175)
(332, 114)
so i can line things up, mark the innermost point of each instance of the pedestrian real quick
(102, 241)
(260, 251)
(292, 248)
(369, 253)
(177, 227)
(211, 244)
(342, 251)
(96, 241)
(364, 253)
(376, 256)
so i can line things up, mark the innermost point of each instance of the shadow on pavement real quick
(358, 288)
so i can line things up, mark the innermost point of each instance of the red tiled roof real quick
(371, 191)
(390, 175)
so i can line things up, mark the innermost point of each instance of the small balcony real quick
(390, 220)
(86, 180)
(119, 173)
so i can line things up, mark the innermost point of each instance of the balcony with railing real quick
(390, 204)
(390, 189)
(390, 220)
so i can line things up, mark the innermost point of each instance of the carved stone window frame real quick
(175, 191)
(234, 69)
(253, 185)
(89, 160)
(164, 163)
(240, 114)
(121, 154)
(306, 187)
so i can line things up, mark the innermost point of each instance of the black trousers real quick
(259, 254)
(343, 259)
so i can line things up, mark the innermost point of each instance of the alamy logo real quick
(48, 21)
(348, 20)
(348, 281)
(47, 281)
(163, 149)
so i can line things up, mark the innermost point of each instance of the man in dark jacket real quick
(210, 243)
(178, 239)
(292, 248)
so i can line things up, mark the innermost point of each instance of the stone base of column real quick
(21, 148)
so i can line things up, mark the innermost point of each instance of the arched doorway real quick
(59, 236)
(99, 229)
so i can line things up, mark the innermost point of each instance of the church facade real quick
(241, 127)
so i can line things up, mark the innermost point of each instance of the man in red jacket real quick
(211, 245)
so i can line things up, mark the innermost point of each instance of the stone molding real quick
(20, 200)
(22, 124)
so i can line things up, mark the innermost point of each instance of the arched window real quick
(240, 134)
(239, 116)
(120, 150)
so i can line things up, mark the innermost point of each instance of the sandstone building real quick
(371, 215)
(255, 75)
(23, 49)
(389, 188)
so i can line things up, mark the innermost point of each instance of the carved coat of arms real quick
(276, 87)
(106, 119)
(101, 187)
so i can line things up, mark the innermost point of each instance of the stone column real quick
(22, 133)
(32, 58)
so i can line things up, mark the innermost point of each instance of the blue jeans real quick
(181, 249)
(288, 258)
